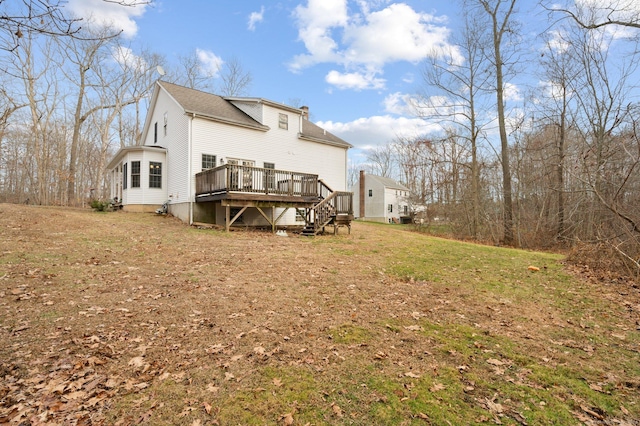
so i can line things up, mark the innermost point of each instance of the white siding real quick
(176, 167)
(281, 147)
(278, 146)
(252, 109)
(377, 206)
(144, 194)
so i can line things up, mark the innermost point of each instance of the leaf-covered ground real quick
(121, 318)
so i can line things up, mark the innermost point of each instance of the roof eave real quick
(260, 127)
(122, 151)
(342, 144)
(265, 102)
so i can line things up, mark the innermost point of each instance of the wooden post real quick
(228, 218)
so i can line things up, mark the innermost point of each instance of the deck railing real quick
(236, 178)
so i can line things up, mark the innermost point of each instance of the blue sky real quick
(353, 62)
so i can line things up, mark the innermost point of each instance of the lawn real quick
(121, 318)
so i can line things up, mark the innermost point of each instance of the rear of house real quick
(193, 138)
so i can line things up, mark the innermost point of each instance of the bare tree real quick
(226, 78)
(381, 160)
(41, 93)
(234, 79)
(559, 70)
(461, 76)
(190, 73)
(591, 16)
(500, 14)
(46, 17)
(84, 56)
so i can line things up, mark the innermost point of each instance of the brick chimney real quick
(305, 112)
(361, 201)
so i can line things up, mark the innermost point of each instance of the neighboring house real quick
(232, 160)
(381, 199)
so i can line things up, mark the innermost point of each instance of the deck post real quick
(273, 219)
(228, 217)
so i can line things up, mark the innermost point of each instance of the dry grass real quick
(116, 318)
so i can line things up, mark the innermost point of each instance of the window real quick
(124, 176)
(155, 174)
(166, 118)
(208, 161)
(135, 174)
(283, 121)
(390, 208)
(371, 193)
(406, 210)
(269, 165)
(155, 132)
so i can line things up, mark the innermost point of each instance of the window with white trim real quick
(135, 174)
(283, 121)
(155, 174)
(208, 161)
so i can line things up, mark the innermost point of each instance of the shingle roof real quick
(312, 131)
(388, 182)
(209, 105)
(218, 108)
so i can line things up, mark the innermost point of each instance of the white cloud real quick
(396, 33)
(558, 41)
(111, 14)
(368, 132)
(400, 104)
(127, 59)
(368, 39)
(210, 63)
(315, 24)
(254, 18)
(354, 80)
(512, 92)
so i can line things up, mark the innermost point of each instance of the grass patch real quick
(350, 334)
(383, 326)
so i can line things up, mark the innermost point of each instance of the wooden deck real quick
(255, 187)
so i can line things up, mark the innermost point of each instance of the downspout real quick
(361, 196)
(193, 115)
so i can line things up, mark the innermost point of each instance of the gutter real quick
(260, 127)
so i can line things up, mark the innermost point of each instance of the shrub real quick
(100, 205)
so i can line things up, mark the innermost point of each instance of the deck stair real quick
(334, 208)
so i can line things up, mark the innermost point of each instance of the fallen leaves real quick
(200, 321)
(337, 411)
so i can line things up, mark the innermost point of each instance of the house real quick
(381, 199)
(239, 161)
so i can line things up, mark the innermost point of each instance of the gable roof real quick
(316, 133)
(218, 108)
(209, 106)
(387, 182)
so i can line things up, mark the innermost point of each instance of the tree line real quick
(560, 165)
